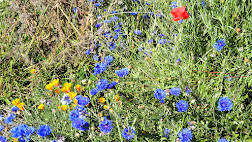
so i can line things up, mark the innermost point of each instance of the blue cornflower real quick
(82, 112)
(117, 30)
(44, 130)
(173, 5)
(225, 104)
(8, 120)
(99, 68)
(147, 3)
(94, 91)
(182, 106)
(159, 94)
(80, 124)
(22, 131)
(113, 12)
(74, 114)
(162, 41)
(106, 126)
(88, 52)
(203, 3)
(219, 44)
(98, 4)
(15, 108)
(162, 35)
(115, 36)
(66, 99)
(107, 60)
(83, 101)
(18, 131)
(222, 140)
(75, 10)
(111, 85)
(188, 91)
(166, 132)
(133, 13)
(123, 72)
(181, 21)
(96, 57)
(175, 91)
(98, 25)
(1, 128)
(128, 133)
(102, 84)
(107, 34)
(137, 32)
(29, 131)
(150, 41)
(185, 135)
(91, 0)
(3, 139)
(112, 46)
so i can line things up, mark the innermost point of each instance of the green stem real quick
(119, 131)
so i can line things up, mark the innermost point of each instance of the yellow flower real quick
(55, 82)
(77, 87)
(117, 97)
(21, 106)
(246, 60)
(15, 140)
(72, 95)
(102, 100)
(16, 102)
(33, 71)
(66, 87)
(41, 107)
(63, 107)
(75, 101)
(57, 91)
(105, 106)
(49, 86)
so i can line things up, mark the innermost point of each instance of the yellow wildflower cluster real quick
(55, 83)
(17, 103)
(66, 87)
(33, 71)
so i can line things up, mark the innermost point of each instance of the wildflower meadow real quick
(125, 70)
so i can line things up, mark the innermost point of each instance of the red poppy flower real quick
(179, 13)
